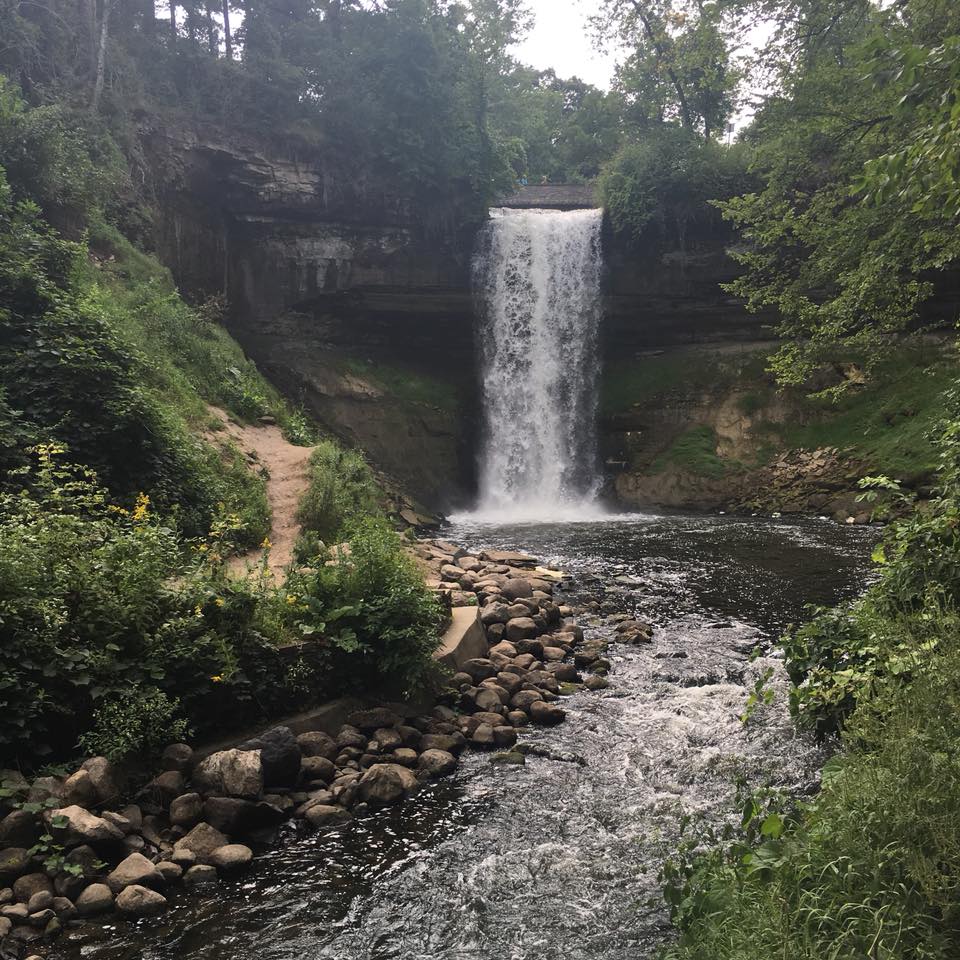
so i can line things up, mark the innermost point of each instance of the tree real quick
(679, 68)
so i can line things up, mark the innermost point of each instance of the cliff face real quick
(359, 309)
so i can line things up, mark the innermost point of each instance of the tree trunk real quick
(173, 20)
(212, 36)
(227, 35)
(101, 55)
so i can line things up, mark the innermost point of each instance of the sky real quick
(561, 39)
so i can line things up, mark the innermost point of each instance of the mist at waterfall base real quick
(536, 280)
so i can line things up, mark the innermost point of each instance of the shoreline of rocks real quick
(70, 850)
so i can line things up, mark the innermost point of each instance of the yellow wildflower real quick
(291, 599)
(219, 601)
(198, 610)
(266, 545)
(141, 510)
(217, 679)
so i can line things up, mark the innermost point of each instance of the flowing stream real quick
(537, 285)
(557, 858)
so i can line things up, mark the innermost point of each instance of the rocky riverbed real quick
(90, 844)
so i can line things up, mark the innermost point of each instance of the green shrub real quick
(870, 868)
(96, 600)
(342, 490)
(379, 622)
(137, 721)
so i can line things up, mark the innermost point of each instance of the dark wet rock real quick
(164, 787)
(19, 829)
(179, 757)
(510, 757)
(386, 739)
(483, 736)
(405, 756)
(494, 613)
(315, 743)
(233, 815)
(279, 756)
(504, 736)
(525, 699)
(32, 883)
(139, 901)
(324, 815)
(518, 718)
(479, 669)
(119, 821)
(319, 768)
(200, 876)
(41, 900)
(64, 909)
(489, 700)
(94, 900)
(369, 720)
(171, 872)
(596, 682)
(350, 736)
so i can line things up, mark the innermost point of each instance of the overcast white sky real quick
(561, 39)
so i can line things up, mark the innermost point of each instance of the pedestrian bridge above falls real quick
(552, 196)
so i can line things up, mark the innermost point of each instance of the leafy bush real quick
(378, 621)
(139, 720)
(870, 868)
(663, 185)
(96, 600)
(342, 490)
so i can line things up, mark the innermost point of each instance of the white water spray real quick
(537, 284)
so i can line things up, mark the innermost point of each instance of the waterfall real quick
(536, 277)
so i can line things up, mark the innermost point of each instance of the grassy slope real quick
(885, 424)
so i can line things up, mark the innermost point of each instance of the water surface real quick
(556, 859)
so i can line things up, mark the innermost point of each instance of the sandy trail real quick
(288, 469)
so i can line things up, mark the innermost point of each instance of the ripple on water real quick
(555, 859)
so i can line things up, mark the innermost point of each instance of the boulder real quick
(201, 841)
(235, 773)
(233, 815)
(546, 714)
(514, 588)
(178, 757)
(164, 787)
(64, 909)
(320, 768)
(104, 777)
(438, 763)
(520, 628)
(139, 901)
(494, 613)
(367, 721)
(279, 756)
(82, 827)
(405, 756)
(504, 648)
(78, 790)
(19, 829)
(171, 872)
(595, 682)
(45, 788)
(386, 783)
(30, 884)
(119, 821)
(479, 669)
(327, 815)
(315, 743)
(442, 741)
(94, 900)
(483, 736)
(525, 699)
(231, 857)
(518, 718)
(349, 736)
(134, 870)
(199, 876)
(186, 810)
(504, 736)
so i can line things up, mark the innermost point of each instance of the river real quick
(557, 858)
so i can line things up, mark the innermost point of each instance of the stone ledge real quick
(464, 640)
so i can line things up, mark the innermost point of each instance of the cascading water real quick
(537, 284)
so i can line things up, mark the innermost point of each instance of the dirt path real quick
(287, 483)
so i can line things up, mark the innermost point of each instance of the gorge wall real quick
(357, 305)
